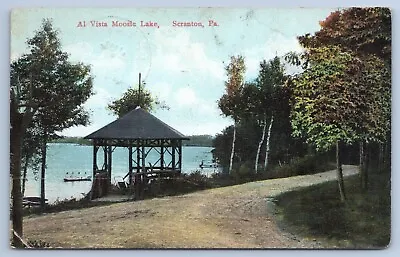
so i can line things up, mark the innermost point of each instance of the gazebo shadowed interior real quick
(142, 133)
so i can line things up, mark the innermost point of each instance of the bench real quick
(32, 201)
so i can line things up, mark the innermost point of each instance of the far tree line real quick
(194, 140)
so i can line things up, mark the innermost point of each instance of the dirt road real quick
(230, 217)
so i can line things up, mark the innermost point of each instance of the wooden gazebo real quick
(142, 133)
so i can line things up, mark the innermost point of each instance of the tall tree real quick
(269, 81)
(67, 85)
(230, 102)
(366, 33)
(50, 91)
(326, 102)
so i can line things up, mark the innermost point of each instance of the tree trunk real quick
(381, 158)
(15, 149)
(233, 148)
(43, 172)
(260, 144)
(363, 166)
(361, 163)
(340, 172)
(366, 167)
(387, 155)
(268, 140)
(24, 175)
(19, 123)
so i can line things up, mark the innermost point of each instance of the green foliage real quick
(336, 98)
(309, 164)
(244, 173)
(346, 83)
(47, 81)
(269, 82)
(59, 87)
(231, 101)
(131, 99)
(185, 183)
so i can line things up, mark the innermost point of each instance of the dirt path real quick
(229, 217)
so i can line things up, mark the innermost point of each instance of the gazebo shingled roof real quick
(137, 124)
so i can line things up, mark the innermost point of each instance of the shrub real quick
(243, 173)
(185, 183)
(309, 164)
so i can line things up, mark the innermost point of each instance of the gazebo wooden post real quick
(173, 155)
(95, 148)
(130, 166)
(136, 182)
(162, 154)
(180, 156)
(105, 162)
(143, 176)
(109, 165)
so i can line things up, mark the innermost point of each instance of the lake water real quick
(63, 158)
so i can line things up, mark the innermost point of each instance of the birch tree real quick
(229, 103)
(269, 82)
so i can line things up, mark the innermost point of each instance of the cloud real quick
(79, 51)
(82, 131)
(185, 96)
(100, 99)
(162, 90)
(109, 57)
(208, 127)
(276, 45)
(178, 52)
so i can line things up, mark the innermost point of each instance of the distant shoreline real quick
(195, 140)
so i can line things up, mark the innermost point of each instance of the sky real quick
(182, 66)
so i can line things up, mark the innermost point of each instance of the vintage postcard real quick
(200, 128)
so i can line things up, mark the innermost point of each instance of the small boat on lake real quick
(208, 165)
(73, 178)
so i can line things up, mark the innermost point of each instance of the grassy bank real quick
(317, 213)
